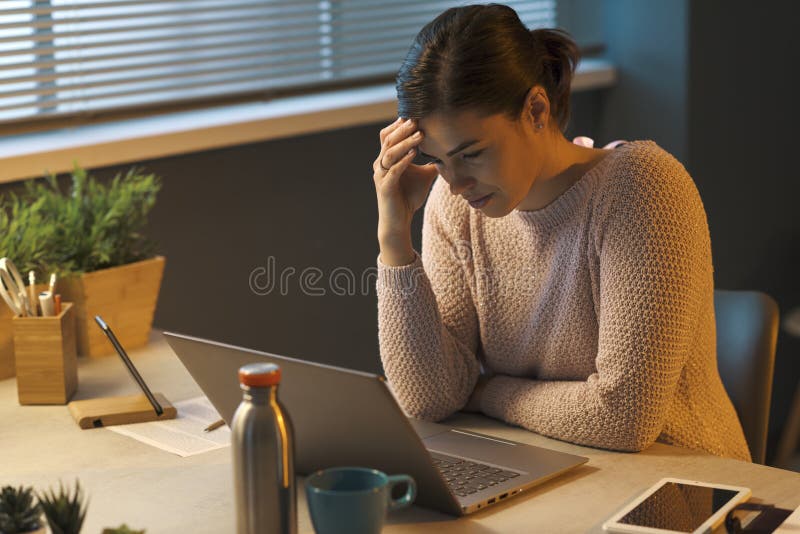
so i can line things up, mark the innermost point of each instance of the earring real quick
(539, 126)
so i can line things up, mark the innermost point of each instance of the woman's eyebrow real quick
(456, 150)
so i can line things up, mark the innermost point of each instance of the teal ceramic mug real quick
(354, 500)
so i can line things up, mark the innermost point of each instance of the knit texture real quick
(594, 315)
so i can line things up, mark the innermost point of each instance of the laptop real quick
(346, 417)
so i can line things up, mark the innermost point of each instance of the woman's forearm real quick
(395, 246)
(431, 371)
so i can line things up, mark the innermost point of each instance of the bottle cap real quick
(260, 374)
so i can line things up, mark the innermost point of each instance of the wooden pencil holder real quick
(46, 357)
(7, 367)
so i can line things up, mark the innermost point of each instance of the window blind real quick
(67, 57)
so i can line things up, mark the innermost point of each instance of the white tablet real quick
(675, 505)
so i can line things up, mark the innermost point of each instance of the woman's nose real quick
(460, 184)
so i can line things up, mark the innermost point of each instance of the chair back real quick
(747, 332)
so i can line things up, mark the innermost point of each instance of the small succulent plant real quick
(19, 512)
(64, 511)
(122, 529)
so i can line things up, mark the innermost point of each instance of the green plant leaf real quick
(64, 511)
(18, 510)
(88, 226)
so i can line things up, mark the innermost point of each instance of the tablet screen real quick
(677, 506)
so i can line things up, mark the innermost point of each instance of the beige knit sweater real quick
(595, 314)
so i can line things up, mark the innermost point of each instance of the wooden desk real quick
(128, 481)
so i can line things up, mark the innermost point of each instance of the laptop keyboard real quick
(465, 477)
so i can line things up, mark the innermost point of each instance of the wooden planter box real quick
(7, 369)
(125, 297)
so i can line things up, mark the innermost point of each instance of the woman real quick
(561, 288)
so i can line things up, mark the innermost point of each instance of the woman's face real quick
(490, 161)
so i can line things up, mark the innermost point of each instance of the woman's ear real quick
(537, 108)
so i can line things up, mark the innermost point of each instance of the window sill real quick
(135, 140)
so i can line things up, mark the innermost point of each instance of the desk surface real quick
(128, 481)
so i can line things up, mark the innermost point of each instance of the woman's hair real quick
(484, 59)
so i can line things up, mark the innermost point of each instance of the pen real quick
(57, 303)
(213, 426)
(32, 293)
(52, 282)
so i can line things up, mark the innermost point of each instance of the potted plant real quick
(64, 511)
(19, 512)
(92, 235)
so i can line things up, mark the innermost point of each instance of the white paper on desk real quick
(183, 435)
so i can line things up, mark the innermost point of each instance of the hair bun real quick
(560, 55)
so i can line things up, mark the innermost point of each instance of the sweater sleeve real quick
(427, 324)
(651, 237)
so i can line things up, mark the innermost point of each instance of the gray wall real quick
(307, 202)
(648, 41)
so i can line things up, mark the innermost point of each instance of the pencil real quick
(32, 293)
(213, 426)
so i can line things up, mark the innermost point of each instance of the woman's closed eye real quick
(463, 156)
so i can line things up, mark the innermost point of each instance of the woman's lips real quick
(480, 202)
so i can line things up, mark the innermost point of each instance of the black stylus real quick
(129, 364)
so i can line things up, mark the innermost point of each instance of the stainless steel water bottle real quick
(262, 440)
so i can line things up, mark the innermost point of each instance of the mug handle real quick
(410, 495)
